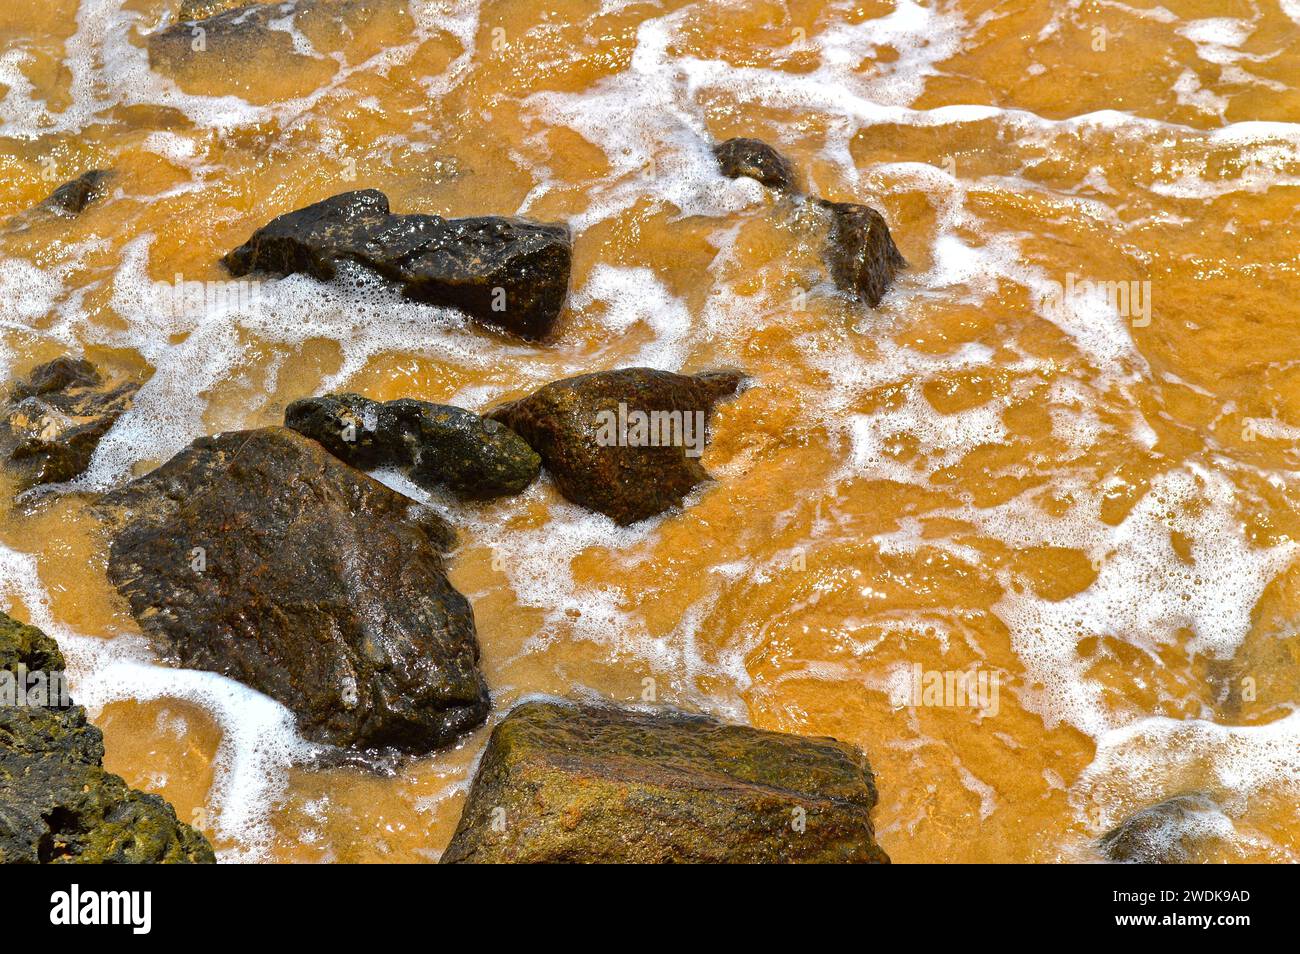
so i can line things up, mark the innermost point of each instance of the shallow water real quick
(1092, 497)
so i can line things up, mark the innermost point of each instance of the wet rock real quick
(259, 555)
(583, 783)
(57, 804)
(755, 159)
(439, 445)
(860, 252)
(509, 273)
(347, 425)
(202, 9)
(65, 202)
(625, 443)
(263, 52)
(474, 456)
(53, 421)
(1165, 833)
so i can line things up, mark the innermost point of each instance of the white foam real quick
(259, 741)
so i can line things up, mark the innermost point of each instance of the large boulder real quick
(509, 273)
(587, 783)
(757, 160)
(860, 252)
(57, 804)
(259, 555)
(437, 444)
(625, 443)
(53, 420)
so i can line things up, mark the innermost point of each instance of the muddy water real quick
(1086, 492)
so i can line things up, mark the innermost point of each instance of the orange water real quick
(1096, 505)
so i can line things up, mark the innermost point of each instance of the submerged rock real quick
(625, 443)
(860, 252)
(505, 272)
(1165, 833)
(53, 421)
(258, 555)
(65, 202)
(440, 445)
(581, 783)
(755, 159)
(57, 804)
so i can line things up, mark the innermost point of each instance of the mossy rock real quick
(563, 782)
(57, 804)
(438, 445)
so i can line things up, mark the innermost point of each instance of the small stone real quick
(755, 159)
(860, 252)
(437, 444)
(1165, 833)
(54, 420)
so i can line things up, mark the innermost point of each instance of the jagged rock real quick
(602, 436)
(1165, 833)
(438, 444)
(57, 804)
(860, 252)
(755, 159)
(509, 273)
(65, 202)
(54, 420)
(259, 555)
(583, 783)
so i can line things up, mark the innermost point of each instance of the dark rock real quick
(54, 420)
(440, 445)
(258, 555)
(755, 159)
(568, 783)
(57, 804)
(475, 456)
(596, 461)
(71, 198)
(509, 273)
(860, 252)
(1165, 833)
(219, 33)
(347, 425)
(65, 202)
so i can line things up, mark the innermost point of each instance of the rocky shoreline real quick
(271, 557)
